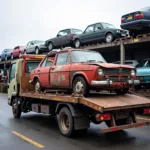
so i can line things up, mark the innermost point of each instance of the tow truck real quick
(74, 112)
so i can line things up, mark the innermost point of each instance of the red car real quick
(17, 51)
(80, 71)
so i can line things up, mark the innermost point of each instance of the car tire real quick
(50, 46)
(6, 58)
(25, 52)
(37, 51)
(77, 43)
(0, 59)
(122, 91)
(37, 86)
(12, 57)
(16, 109)
(80, 86)
(109, 37)
(20, 54)
(65, 122)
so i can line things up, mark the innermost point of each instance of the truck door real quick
(12, 82)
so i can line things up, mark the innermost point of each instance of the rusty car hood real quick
(109, 65)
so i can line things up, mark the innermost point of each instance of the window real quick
(147, 63)
(47, 63)
(62, 59)
(98, 26)
(90, 28)
(44, 63)
(106, 25)
(64, 32)
(12, 72)
(76, 31)
(141, 64)
(30, 66)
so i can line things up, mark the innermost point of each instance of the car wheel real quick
(16, 109)
(20, 54)
(37, 86)
(80, 86)
(36, 50)
(50, 46)
(121, 91)
(109, 37)
(5, 57)
(65, 122)
(12, 57)
(25, 52)
(77, 43)
(0, 59)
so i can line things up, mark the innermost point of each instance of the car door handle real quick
(38, 70)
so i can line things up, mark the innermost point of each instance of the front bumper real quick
(110, 82)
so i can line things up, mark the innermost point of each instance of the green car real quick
(99, 32)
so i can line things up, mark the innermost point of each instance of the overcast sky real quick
(25, 20)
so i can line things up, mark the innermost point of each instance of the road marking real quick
(28, 139)
(143, 118)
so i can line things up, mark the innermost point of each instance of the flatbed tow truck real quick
(74, 112)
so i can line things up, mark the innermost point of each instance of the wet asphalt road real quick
(44, 130)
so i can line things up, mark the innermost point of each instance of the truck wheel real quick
(77, 43)
(50, 46)
(37, 51)
(121, 91)
(80, 86)
(37, 86)
(109, 37)
(65, 121)
(16, 109)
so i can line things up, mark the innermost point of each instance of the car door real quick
(88, 34)
(99, 32)
(44, 72)
(61, 38)
(60, 72)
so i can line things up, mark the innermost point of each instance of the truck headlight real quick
(133, 73)
(100, 72)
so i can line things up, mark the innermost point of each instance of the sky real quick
(24, 20)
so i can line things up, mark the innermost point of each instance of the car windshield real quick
(106, 25)
(76, 31)
(30, 66)
(143, 63)
(145, 9)
(86, 56)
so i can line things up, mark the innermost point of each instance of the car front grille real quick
(119, 79)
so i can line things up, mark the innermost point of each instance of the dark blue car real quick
(137, 22)
(5, 54)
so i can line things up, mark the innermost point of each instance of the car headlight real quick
(133, 73)
(118, 31)
(100, 72)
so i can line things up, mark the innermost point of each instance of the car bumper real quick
(110, 82)
(135, 24)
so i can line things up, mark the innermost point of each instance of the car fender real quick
(80, 73)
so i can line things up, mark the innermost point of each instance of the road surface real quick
(37, 131)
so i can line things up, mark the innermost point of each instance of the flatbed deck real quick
(101, 102)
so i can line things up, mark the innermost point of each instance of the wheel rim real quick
(37, 87)
(11, 56)
(19, 54)
(64, 122)
(79, 87)
(14, 109)
(5, 58)
(50, 46)
(37, 51)
(77, 44)
(109, 38)
(25, 52)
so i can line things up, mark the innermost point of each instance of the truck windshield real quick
(86, 56)
(30, 66)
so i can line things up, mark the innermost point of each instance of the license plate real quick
(122, 115)
(130, 17)
(123, 34)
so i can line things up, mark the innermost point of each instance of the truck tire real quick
(80, 86)
(65, 122)
(121, 91)
(16, 109)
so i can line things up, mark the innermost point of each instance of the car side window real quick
(89, 29)
(98, 27)
(48, 63)
(63, 32)
(62, 59)
(12, 72)
(44, 63)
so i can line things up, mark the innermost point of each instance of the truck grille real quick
(117, 71)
